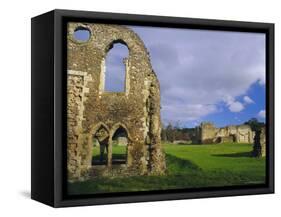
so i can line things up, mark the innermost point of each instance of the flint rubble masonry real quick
(137, 109)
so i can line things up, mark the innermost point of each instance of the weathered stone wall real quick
(259, 148)
(137, 110)
(208, 133)
(263, 142)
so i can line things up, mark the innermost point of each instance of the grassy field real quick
(188, 166)
(118, 152)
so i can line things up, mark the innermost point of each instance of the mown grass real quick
(118, 154)
(188, 166)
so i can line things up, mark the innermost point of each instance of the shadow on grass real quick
(178, 174)
(116, 159)
(119, 159)
(178, 165)
(193, 144)
(181, 173)
(240, 154)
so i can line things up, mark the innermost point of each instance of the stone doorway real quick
(100, 149)
(120, 142)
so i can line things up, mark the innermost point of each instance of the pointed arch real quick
(94, 128)
(114, 68)
(118, 125)
(120, 140)
(116, 41)
(98, 135)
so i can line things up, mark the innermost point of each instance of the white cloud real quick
(233, 106)
(186, 113)
(248, 100)
(236, 106)
(199, 70)
(261, 114)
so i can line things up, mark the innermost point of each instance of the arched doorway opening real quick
(120, 142)
(100, 141)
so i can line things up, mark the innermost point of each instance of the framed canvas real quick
(134, 108)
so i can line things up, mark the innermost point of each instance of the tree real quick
(254, 124)
(170, 133)
(163, 134)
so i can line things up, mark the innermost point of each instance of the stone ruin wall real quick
(208, 133)
(263, 142)
(259, 148)
(137, 110)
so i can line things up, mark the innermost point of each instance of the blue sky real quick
(115, 68)
(208, 75)
(204, 75)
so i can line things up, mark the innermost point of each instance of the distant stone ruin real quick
(94, 115)
(207, 133)
(122, 141)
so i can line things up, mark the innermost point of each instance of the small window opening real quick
(82, 34)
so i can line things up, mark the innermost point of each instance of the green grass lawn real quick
(117, 152)
(188, 166)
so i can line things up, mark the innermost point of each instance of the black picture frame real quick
(48, 147)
